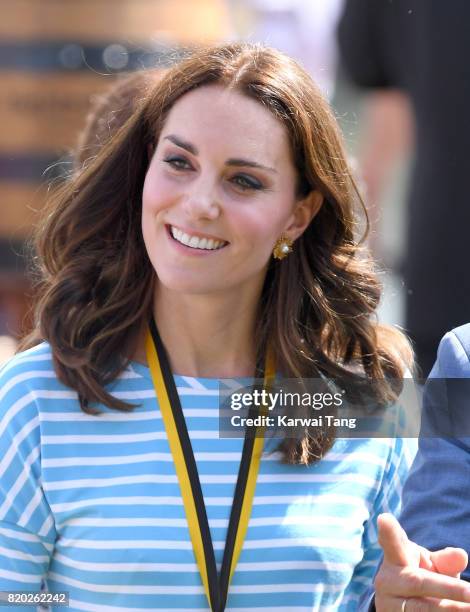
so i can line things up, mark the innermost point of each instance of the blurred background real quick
(57, 57)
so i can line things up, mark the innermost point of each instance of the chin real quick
(188, 284)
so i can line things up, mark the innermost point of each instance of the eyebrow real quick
(187, 146)
(249, 163)
(181, 143)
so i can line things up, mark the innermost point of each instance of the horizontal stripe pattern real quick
(92, 504)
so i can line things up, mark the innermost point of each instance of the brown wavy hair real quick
(318, 305)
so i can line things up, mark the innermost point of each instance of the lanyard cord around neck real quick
(215, 586)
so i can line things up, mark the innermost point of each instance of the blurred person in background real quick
(109, 111)
(384, 153)
(303, 30)
(212, 237)
(421, 48)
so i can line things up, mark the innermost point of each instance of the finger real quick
(425, 561)
(422, 583)
(390, 604)
(450, 606)
(413, 604)
(450, 561)
(394, 541)
(433, 605)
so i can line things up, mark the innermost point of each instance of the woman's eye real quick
(246, 182)
(179, 163)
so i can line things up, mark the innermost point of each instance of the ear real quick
(305, 210)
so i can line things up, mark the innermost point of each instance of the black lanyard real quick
(215, 586)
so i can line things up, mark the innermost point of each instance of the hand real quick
(427, 581)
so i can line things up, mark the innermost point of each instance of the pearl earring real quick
(283, 247)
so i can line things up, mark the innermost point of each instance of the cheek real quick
(153, 203)
(151, 196)
(157, 192)
(260, 228)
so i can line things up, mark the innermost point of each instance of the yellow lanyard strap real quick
(215, 587)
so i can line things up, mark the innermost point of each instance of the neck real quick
(207, 336)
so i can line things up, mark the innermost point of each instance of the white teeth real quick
(194, 241)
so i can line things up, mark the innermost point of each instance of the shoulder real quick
(36, 360)
(24, 374)
(453, 356)
(21, 379)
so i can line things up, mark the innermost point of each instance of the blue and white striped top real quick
(92, 506)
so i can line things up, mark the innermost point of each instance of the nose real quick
(201, 201)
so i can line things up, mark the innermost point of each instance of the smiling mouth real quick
(196, 242)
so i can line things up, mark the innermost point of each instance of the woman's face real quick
(219, 191)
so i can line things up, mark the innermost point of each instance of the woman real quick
(212, 237)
